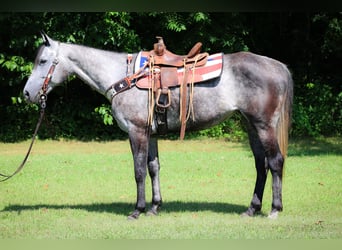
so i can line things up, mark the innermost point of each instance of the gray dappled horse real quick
(259, 87)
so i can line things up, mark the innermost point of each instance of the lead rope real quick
(21, 166)
(42, 102)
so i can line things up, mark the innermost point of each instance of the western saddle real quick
(164, 66)
(161, 71)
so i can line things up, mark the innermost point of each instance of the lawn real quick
(85, 190)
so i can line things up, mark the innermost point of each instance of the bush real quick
(319, 112)
(231, 129)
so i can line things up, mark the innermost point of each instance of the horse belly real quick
(211, 106)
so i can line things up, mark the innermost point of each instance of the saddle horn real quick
(45, 38)
(159, 47)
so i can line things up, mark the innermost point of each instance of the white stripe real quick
(212, 74)
(137, 62)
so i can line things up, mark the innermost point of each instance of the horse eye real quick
(42, 61)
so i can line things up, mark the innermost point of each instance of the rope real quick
(6, 177)
(191, 94)
(42, 102)
(151, 79)
(183, 84)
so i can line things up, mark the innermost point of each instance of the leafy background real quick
(309, 43)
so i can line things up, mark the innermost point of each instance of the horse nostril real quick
(27, 94)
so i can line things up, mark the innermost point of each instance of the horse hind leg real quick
(153, 169)
(261, 169)
(268, 156)
(276, 165)
(275, 162)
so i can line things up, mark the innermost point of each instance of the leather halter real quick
(42, 92)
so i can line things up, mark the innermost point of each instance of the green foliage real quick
(231, 130)
(333, 33)
(18, 120)
(319, 113)
(16, 64)
(106, 113)
(308, 43)
(217, 31)
(175, 23)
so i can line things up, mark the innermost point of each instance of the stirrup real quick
(168, 101)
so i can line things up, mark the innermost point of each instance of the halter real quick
(42, 92)
(42, 102)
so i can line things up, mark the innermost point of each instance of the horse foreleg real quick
(139, 146)
(153, 169)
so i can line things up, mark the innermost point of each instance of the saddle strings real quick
(191, 95)
(181, 108)
(190, 111)
(151, 79)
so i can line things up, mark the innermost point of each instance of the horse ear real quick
(45, 38)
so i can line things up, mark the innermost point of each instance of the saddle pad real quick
(212, 69)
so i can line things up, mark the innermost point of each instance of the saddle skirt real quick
(211, 69)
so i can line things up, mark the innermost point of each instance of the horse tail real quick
(284, 123)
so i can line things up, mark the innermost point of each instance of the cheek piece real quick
(42, 92)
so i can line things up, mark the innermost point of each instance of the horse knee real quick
(140, 174)
(153, 167)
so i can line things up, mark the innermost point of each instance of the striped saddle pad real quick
(174, 76)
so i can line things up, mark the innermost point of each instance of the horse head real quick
(48, 54)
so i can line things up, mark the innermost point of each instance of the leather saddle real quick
(171, 70)
(167, 70)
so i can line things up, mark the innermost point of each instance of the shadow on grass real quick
(310, 146)
(315, 147)
(123, 208)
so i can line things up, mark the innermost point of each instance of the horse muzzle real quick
(29, 98)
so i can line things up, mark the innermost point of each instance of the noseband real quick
(42, 102)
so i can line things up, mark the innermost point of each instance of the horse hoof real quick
(133, 216)
(245, 215)
(249, 213)
(151, 213)
(273, 215)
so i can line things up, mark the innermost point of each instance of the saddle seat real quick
(164, 57)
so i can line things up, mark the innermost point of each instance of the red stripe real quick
(205, 69)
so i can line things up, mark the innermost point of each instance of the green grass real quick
(75, 190)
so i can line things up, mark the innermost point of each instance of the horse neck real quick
(97, 68)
